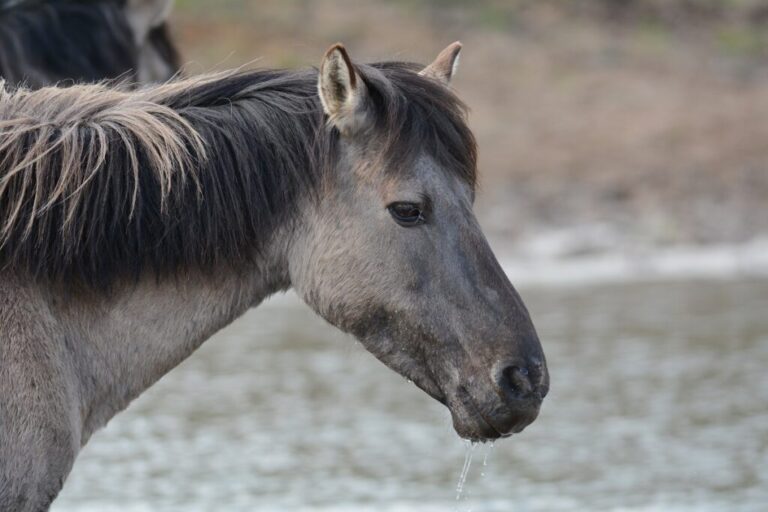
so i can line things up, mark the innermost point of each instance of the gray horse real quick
(135, 224)
(43, 42)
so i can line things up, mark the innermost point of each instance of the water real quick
(465, 469)
(488, 452)
(659, 402)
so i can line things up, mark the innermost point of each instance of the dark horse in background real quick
(45, 42)
(136, 224)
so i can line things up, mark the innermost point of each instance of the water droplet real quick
(470, 450)
(488, 451)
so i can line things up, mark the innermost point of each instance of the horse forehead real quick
(422, 178)
(427, 173)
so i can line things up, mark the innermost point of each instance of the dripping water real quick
(470, 451)
(468, 456)
(488, 451)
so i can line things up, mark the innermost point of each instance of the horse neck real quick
(123, 344)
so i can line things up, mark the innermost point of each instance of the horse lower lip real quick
(476, 426)
(491, 431)
(498, 432)
(479, 427)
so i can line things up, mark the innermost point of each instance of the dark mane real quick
(43, 42)
(416, 113)
(97, 183)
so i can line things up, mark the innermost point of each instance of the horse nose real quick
(521, 381)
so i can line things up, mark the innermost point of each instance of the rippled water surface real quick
(659, 402)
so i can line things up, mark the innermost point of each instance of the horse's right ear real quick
(145, 15)
(443, 68)
(342, 91)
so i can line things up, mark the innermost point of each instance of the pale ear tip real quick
(336, 47)
(455, 47)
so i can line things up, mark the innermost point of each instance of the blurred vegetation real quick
(647, 115)
(736, 27)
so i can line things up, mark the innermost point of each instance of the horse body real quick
(43, 42)
(84, 358)
(137, 224)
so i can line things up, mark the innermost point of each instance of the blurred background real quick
(624, 187)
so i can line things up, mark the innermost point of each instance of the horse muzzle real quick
(487, 409)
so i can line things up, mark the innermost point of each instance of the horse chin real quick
(430, 387)
(473, 418)
(408, 367)
(478, 423)
(467, 421)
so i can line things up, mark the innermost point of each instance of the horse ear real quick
(445, 65)
(145, 15)
(342, 90)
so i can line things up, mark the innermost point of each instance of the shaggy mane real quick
(98, 182)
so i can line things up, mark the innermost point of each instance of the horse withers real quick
(44, 42)
(135, 224)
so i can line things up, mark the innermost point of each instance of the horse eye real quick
(406, 214)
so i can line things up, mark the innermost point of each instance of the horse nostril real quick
(515, 380)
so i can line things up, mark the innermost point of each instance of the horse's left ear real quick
(145, 15)
(342, 91)
(445, 65)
